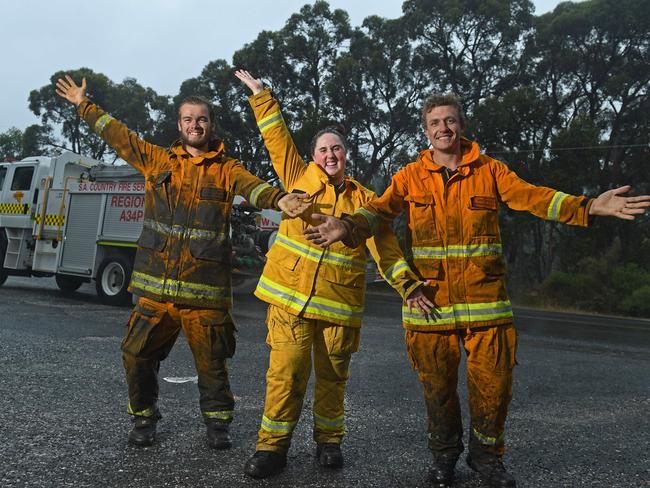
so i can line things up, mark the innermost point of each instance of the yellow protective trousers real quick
(292, 340)
(491, 353)
(152, 331)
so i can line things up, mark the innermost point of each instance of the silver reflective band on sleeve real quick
(555, 206)
(399, 267)
(256, 193)
(101, 123)
(373, 220)
(270, 121)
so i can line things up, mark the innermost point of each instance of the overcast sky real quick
(160, 47)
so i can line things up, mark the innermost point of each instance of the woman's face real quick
(330, 155)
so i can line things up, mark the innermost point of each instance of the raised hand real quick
(329, 232)
(255, 84)
(611, 203)
(68, 89)
(293, 204)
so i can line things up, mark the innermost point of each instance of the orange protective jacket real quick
(301, 277)
(184, 251)
(453, 232)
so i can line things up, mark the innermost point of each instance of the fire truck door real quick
(81, 230)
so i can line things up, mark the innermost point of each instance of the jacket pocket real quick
(283, 257)
(483, 216)
(217, 249)
(138, 341)
(422, 222)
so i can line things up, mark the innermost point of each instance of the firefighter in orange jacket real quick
(315, 296)
(451, 196)
(182, 265)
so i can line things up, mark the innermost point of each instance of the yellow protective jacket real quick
(301, 277)
(184, 251)
(453, 232)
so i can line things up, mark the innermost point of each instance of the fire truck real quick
(79, 220)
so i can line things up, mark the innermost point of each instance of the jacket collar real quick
(216, 150)
(314, 180)
(470, 150)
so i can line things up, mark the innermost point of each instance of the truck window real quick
(3, 173)
(22, 178)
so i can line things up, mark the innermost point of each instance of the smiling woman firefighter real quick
(315, 295)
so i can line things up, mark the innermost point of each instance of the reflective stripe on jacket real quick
(184, 250)
(301, 277)
(453, 232)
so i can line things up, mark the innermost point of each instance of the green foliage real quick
(638, 302)
(11, 144)
(138, 107)
(562, 98)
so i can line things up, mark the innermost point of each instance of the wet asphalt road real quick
(579, 416)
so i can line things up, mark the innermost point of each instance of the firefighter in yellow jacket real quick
(315, 296)
(451, 196)
(182, 265)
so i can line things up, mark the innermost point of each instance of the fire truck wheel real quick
(68, 284)
(112, 280)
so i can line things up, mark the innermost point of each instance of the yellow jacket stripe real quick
(101, 123)
(256, 192)
(318, 255)
(271, 120)
(396, 269)
(556, 205)
(175, 288)
(456, 251)
(299, 302)
(181, 231)
(459, 312)
(373, 220)
(276, 426)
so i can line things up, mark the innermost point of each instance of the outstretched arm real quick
(140, 154)
(611, 203)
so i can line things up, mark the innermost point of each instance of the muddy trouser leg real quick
(150, 336)
(491, 354)
(211, 337)
(290, 339)
(435, 357)
(333, 348)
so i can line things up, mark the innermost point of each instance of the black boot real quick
(218, 434)
(263, 464)
(329, 455)
(144, 430)
(443, 471)
(492, 472)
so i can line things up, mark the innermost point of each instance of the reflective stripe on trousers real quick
(292, 340)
